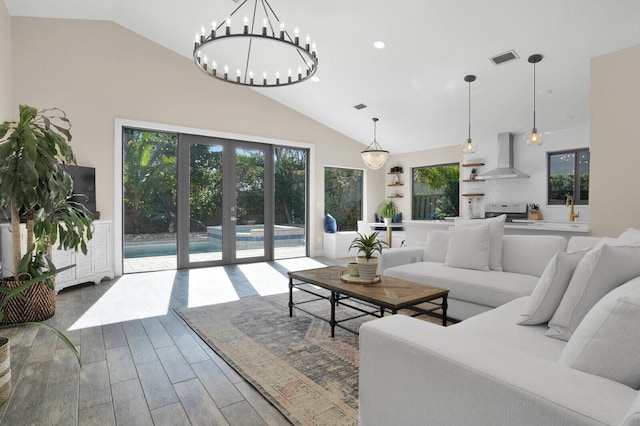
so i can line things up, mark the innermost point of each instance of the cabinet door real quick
(62, 258)
(101, 248)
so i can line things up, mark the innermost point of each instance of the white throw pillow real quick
(601, 270)
(630, 235)
(553, 283)
(607, 341)
(435, 247)
(497, 230)
(468, 247)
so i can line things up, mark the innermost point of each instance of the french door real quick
(225, 201)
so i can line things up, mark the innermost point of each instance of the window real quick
(343, 196)
(435, 191)
(563, 167)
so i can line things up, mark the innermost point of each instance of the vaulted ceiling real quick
(415, 85)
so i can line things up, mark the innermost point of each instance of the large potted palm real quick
(37, 191)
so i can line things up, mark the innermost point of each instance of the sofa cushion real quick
(601, 270)
(435, 247)
(607, 341)
(468, 247)
(500, 326)
(530, 254)
(496, 225)
(490, 288)
(550, 288)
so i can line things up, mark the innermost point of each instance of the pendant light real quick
(469, 147)
(374, 156)
(534, 138)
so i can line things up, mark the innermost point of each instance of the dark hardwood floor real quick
(141, 365)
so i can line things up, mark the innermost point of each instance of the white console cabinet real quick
(96, 265)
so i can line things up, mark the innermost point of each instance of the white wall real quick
(615, 142)
(532, 161)
(6, 106)
(99, 72)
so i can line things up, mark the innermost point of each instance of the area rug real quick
(293, 362)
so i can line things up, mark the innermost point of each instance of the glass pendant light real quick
(374, 156)
(469, 147)
(534, 138)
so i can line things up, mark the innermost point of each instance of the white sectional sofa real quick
(575, 362)
(473, 291)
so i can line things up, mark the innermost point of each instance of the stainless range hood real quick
(505, 169)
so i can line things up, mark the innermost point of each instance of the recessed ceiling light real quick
(378, 44)
(315, 79)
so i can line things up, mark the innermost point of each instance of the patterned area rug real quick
(293, 362)
(310, 377)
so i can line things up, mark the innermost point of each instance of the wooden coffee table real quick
(390, 294)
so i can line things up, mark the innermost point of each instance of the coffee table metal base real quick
(363, 308)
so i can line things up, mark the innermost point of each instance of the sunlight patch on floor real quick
(299, 263)
(131, 297)
(265, 279)
(208, 286)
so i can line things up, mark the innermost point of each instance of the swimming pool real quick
(247, 237)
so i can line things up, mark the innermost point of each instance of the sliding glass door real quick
(194, 200)
(224, 210)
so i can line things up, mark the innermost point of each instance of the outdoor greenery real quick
(150, 184)
(343, 196)
(561, 185)
(442, 186)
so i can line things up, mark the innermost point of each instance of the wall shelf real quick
(473, 165)
(396, 184)
(394, 196)
(473, 195)
(473, 180)
(395, 173)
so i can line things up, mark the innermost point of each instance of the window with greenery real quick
(435, 191)
(563, 167)
(343, 196)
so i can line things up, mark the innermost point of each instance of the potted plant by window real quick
(37, 191)
(367, 246)
(388, 210)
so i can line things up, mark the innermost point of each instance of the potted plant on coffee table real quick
(38, 192)
(367, 246)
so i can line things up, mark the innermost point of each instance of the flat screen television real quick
(84, 184)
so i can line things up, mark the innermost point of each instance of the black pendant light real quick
(469, 147)
(534, 138)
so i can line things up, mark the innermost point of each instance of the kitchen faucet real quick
(572, 214)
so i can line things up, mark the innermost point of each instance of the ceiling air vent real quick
(360, 106)
(504, 57)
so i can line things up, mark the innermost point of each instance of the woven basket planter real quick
(39, 303)
(5, 370)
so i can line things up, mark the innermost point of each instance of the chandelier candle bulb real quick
(238, 76)
(201, 35)
(213, 67)
(281, 30)
(306, 46)
(251, 77)
(228, 30)
(297, 36)
(226, 72)
(246, 25)
(264, 27)
(213, 30)
(264, 78)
